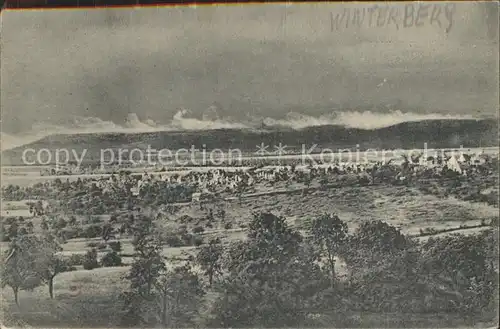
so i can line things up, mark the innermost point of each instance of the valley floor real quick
(92, 297)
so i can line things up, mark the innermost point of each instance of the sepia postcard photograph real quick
(249, 165)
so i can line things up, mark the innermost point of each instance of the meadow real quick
(94, 297)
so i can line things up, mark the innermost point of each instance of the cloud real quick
(254, 60)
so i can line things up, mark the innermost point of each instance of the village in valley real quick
(309, 165)
(94, 218)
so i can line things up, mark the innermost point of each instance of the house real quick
(429, 161)
(463, 158)
(453, 164)
(478, 159)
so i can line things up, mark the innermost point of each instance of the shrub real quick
(111, 259)
(198, 229)
(73, 233)
(174, 240)
(128, 255)
(59, 224)
(187, 239)
(93, 231)
(76, 259)
(197, 240)
(183, 239)
(116, 246)
(228, 226)
(363, 180)
(90, 260)
(185, 219)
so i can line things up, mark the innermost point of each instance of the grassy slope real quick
(91, 298)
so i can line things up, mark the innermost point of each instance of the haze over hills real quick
(250, 61)
(185, 120)
(133, 73)
(443, 133)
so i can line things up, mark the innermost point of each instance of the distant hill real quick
(409, 135)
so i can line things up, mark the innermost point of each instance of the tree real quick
(107, 231)
(38, 209)
(372, 242)
(90, 260)
(55, 266)
(44, 225)
(18, 269)
(221, 213)
(22, 231)
(271, 280)
(49, 263)
(240, 189)
(465, 265)
(29, 227)
(393, 284)
(133, 314)
(209, 258)
(60, 223)
(92, 231)
(116, 246)
(329, 233)
(179, 295)
(13, 230)
(111, 259)
(146, 268)
(144, 272)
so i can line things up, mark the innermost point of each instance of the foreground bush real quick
(271, 280)
(90, 260)
(116, 246)
(111, 259)
(76, 260)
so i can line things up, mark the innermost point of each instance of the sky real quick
(245, 61)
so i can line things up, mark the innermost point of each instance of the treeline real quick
(86, 197)
(30, 261)
(406, 135)
(278, 277)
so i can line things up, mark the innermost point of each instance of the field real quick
(92, 297)
(283, 167)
